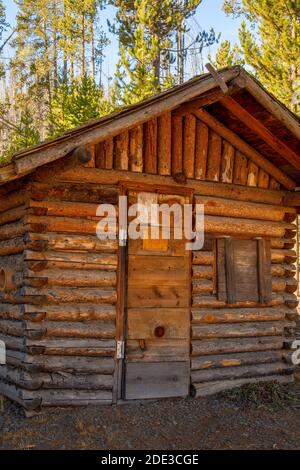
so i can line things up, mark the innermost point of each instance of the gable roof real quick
(203, 90)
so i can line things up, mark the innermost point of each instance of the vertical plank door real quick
(158, 311)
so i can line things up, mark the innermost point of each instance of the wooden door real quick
(158, 312)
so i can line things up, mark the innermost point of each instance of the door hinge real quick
(120, 349)
(123, 237)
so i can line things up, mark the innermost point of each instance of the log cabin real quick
(89, 321)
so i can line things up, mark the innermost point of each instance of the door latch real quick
(120, 349)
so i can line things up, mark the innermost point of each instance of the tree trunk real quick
(83, 71)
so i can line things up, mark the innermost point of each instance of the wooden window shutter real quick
(244, 270)
(264, 270)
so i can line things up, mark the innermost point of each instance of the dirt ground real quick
(218, 422)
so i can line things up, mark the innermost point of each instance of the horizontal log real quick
(11, 312)
(283, 256)
(42, 224)
(64, 209)
(203, 188)
(278, 284)
(92, 329)
(13, 328)
(201, 301)
(60, 242)
(238, 226)
(292, 199)
(81, 259)
(234, 360)
(293, 315)
(13, 343)
(289, 270)
(210, 388)
(14, 261)
(16, 394)
(14, 297)
(237, 315)
(78, 365)
(288, 345)
(12, 247)
(77, 382)
(72, 278)
(204, 258)
(291, 285)
(229, 208)
(291, 234)
(291, 300)
(52, 346)
(202, 286)
(278, 270)
(52, 342)
(239, 330)
(12, 200)
(69, 312)
(288, 358)
(281, 243)
(68, 295)
(82, 402)
(80, 352)
(69, 397)
(19, 378)
(98, 194)
(12, 215)
(203, 272)
(14, 230)
(230, 373)
(38, 266)
(37, 381)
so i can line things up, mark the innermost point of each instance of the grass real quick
(270, 396)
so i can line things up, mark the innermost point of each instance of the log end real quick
(82, 154)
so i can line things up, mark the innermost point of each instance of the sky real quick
(209, 15)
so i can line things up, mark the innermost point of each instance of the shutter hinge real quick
(120, 349)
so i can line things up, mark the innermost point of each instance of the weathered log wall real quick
(243, 342)
(59, 323)
(12, 325)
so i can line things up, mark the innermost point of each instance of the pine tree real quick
(25, 135)
(77, 103)
(3, 22)
(3, 27)
(226, 56)
(57, 41)
(33, 66)
(273, 51)
(146, 30)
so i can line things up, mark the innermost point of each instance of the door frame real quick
(121, 310)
